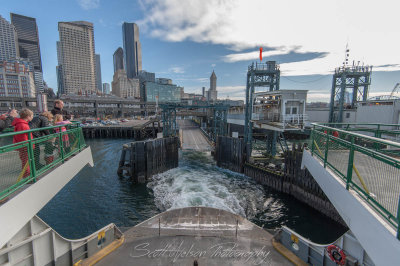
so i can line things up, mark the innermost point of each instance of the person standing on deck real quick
(7, 119)
(21, 124)
(41, 121)
(58, 121)
(58, 110)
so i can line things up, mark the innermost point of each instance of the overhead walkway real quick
(32, 173)
(360, 175)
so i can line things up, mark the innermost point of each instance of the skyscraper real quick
(106, 88)
(118, 59)
(98, 73)
(8, 40)
(28, 45)
(132, 49)
(76, 58)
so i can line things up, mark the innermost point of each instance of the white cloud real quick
(201, 80)
(89, 4)
(177, 70)
(233, 92)
(213, 65)
(309, 26)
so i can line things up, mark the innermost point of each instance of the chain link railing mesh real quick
(14, 166)
(319, 140)
(16, 160)
(46, 152)
(375, 169)
(338, 156)
(380, 180)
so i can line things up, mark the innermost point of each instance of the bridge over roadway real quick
(191, 136)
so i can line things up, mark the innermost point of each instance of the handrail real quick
(23, 162)
(74, 123)
(360, 124)
(381, 141)
(377, 173)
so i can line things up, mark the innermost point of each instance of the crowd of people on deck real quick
(25, 120)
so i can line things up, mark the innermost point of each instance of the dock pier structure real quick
(142, 159)
(148, 129)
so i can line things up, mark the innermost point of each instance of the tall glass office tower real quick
(28, 44)
(118, 59)
(132, 49)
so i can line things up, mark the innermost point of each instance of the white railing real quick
(297, 119)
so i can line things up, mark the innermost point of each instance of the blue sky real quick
(187, 40)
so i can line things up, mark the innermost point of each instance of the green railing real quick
(24, 162)
(387, 131)
(368, 165)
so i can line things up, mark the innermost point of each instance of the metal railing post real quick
(398, 219)
(61, 143)
(326, 148)
(312, 140)
(31, 157)
(79, 138)
(350, 165)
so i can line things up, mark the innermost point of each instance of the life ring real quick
(336, 254)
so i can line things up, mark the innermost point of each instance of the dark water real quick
(97, 197)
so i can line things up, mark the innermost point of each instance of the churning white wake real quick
(199, 182)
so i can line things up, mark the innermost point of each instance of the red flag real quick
(260, 53)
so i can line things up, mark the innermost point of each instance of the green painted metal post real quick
(61, 143)
(79, 138)
(326, 148)
(31, 157)
(398, 219)
(312, 140)
(350, 166)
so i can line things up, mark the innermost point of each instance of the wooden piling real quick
(147, 158)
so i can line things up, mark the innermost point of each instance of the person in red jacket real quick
(21, 124)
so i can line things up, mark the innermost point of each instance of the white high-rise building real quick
(76, 58)
(8, 40)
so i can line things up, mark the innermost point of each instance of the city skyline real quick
(188, 47)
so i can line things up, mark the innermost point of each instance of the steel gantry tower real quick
(354, 79)
(258, 75)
